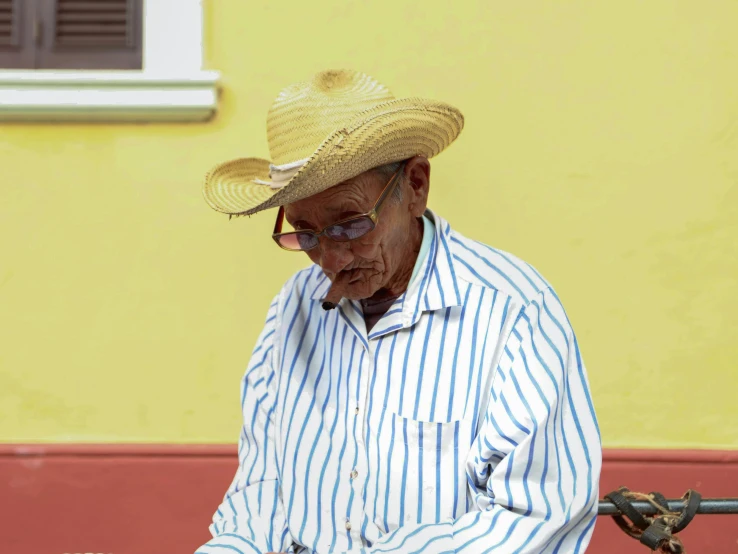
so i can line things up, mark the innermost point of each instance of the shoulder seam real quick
(536, 289)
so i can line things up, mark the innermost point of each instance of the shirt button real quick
(354, 474)
(348, 525)
(356, 411)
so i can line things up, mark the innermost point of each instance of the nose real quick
(334, 256)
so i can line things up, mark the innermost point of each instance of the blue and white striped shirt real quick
(462, 422)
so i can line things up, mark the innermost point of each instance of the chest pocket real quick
(422, 473)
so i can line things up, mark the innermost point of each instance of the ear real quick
(417, 179)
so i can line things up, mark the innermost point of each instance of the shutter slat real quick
(92, 29)
(102, 23)
(120, 17)
(101, 41)
(91, 7)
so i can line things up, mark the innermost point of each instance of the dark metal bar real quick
(707, 506)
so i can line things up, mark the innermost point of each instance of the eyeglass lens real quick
(341, 232)
(351, 229)
(298, 241)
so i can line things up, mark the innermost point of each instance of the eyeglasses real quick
(342, 231)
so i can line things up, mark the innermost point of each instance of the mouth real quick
(353, 275)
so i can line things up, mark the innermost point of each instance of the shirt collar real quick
(436, 286)
(428, 232)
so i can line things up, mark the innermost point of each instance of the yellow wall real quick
(601, 145)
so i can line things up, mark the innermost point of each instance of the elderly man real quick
(413, 390)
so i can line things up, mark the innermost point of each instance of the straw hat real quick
(325, 131)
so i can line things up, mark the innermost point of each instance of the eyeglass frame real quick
(372, 214)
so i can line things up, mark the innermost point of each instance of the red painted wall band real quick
(154, 498)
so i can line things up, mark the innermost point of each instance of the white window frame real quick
(171, 87)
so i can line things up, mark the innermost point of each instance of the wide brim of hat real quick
(389, 132)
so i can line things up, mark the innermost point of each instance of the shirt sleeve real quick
(533, 470)
(251, 519)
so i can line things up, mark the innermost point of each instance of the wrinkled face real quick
(369, 263)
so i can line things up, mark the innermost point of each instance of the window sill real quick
(107, 96)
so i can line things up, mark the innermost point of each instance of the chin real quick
(360, 291)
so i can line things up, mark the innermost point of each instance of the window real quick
(71, 34)
(116, 60)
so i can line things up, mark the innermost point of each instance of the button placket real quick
(355, 480)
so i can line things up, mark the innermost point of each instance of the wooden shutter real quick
(92, 34)
(16, 34)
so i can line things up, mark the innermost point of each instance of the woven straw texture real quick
(345, 123)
